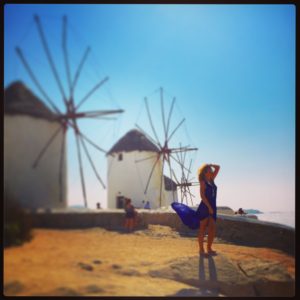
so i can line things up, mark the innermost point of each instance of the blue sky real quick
(230, 67)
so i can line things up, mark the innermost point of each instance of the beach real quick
(157, 261)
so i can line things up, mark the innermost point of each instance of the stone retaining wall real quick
(229, 228)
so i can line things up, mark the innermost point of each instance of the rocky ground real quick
(152, 262)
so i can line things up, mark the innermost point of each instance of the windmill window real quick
(120, 156)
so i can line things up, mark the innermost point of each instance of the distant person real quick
(98, 205)
(130, 215)
(147, 205)
(240, 212)
(206, 214)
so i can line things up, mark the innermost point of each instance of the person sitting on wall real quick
(240, 212)
(130, 215)
(147, 205)
(98, 205)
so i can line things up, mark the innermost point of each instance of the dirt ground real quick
(107, 263)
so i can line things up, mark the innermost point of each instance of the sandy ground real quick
(101, 262)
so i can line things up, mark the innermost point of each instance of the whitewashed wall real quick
(24, 137)
(129, 178)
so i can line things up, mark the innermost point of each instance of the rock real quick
(12, 288)
(97, 262)
(197, 293)
(62, 291)
(85, 266)
(93, 289)
(130, 272)
(115, 266)
(219, 273)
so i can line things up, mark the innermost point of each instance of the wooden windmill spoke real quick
(150, 175)
(50, 60)
(151, 123)
(91, 142)
(163, 112)
(143, 159)
(189, 170)
(179, 162)
(93, 90)
(34, 79)
(61, 165)
(177, 181)
(147, 135)
(91, 162)
(98, 113)
(175, 129)
(161, 182)
(80, 168)
(65, 52)
(44, 149)
(170, 169)
(78, 71)
(86, 138)
(169, 116)
(101, 118)
(183, 149)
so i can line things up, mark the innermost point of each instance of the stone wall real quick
(233, 229)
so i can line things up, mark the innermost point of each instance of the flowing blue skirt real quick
(190, 217)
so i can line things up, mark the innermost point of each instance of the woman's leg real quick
(131, 223)
(211, 233)
(126, 224)
(203, 224)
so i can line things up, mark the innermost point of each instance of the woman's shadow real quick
(208, 277)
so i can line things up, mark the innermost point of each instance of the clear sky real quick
(230, 67)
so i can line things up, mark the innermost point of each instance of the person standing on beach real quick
(130, 215)
(207, 210)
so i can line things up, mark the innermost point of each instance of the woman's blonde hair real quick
(202, 171)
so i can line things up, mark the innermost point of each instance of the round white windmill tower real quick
(130, 162)
(28, 124)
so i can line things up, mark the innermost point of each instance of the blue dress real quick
(192, 218)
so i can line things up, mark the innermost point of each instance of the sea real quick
(281, 217)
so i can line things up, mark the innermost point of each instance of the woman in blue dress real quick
(206, 214)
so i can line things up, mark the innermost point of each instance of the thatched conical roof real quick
(133, 140)
(19, 100)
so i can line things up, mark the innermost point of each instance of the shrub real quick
(17, 224)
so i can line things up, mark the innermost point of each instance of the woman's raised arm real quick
(216, 170)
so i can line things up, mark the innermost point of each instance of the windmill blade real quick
(143, 159)
(183, 149)
(189, 170)
(61, 165)
(93, 90)
(148, 136)
(48, 54)
(36, 82)
(169, 116)
(80, 168)
(161, 181)
(177, 181)
(175, 129)
(45, 148)
(79, 69)
(150, 175)
(170, 169)
(87, 139)
(65, 52)
(179, 162)
(151, 123)
(101, 118)
(163, 112)
(91, 162)
(98, 113)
